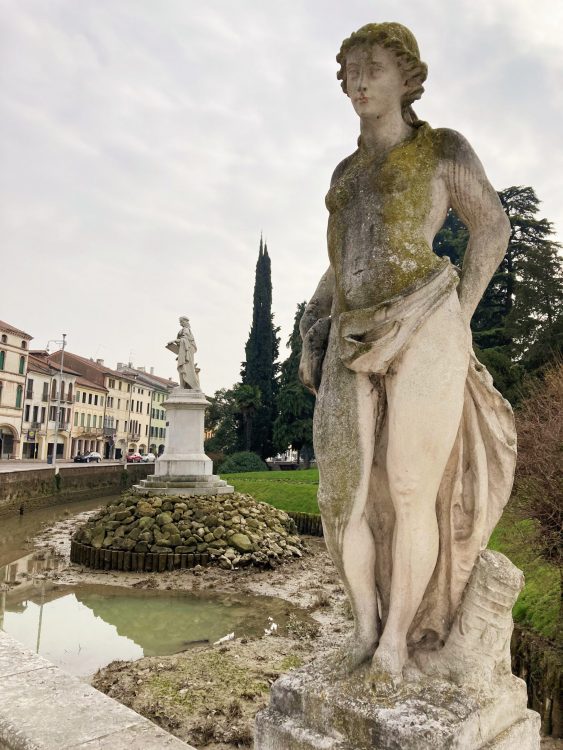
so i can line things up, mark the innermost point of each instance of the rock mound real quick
(234, 530)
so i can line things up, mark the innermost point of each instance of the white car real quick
(148, 458)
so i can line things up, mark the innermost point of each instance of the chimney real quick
(120, 366)
(100, 362)
(152, 370)
(142, 369)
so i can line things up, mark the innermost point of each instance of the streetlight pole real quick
(58, 409)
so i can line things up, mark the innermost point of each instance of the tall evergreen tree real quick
(294, 423)
(260, 368)
(518, 323)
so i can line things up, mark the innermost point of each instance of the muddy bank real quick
(209, 695)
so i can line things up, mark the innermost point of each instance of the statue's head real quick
(386, 58)
(184, 321)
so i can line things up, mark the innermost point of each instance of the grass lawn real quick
(538, 604)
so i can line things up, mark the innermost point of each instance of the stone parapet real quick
(43, 708)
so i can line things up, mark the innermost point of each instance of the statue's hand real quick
(312, 354)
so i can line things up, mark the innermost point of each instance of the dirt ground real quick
(208, 696)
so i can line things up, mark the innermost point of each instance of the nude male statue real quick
(415, 447)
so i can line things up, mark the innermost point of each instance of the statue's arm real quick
(320, 303)
(477, 204)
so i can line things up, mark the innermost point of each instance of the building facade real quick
(14, 352)
(41, 429)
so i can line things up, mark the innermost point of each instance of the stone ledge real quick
(44, 708)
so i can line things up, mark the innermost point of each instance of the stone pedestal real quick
(184, 469)
(310, 710)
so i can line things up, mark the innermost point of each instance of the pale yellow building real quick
(14, 346)
(87, 430)
(40, 429)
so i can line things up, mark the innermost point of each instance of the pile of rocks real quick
(234, 530)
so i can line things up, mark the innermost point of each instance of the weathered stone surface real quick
(212, 526)
(309, 710)
(43, 708)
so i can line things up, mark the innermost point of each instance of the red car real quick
(134, 458)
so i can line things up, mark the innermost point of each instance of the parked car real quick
(134, 458)
(88, 458)
(148, 458)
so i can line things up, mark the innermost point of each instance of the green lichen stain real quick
(405, 183)
(399, 201)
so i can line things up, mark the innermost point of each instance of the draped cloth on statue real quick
(477, 481)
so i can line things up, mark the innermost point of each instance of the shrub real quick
(243, 461)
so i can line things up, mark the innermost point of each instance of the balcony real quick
(89, 431)
(109, 431)
(134, 435)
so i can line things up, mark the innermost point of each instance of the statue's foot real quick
(346, 659)
(388, 663)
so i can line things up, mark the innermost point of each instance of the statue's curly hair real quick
(402, 43)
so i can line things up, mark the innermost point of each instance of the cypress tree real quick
(294, 423)
(260, 368)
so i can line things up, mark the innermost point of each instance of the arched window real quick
(69, 394)
(2, 359)
(53, 389)
(4, 339)
(22, 365)
(19, 394)
(62, 390)
(24, 344)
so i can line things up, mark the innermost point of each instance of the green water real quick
(85, 627)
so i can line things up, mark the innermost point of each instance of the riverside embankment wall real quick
(22, 491)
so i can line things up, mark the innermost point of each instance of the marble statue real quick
(184, 346)
(415, 448)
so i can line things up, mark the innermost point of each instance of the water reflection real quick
(82, 628)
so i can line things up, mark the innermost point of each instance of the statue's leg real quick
(345, 416)
(425, 391)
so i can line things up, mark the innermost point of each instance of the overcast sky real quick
(146, 144)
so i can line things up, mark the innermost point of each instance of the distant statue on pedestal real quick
(184, 346)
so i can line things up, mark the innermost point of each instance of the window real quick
(43, 414)
(83, 397)
(117, 424)
(88, 420)
(29, 388)
(89, 398)
(22, 365)
(2, 359)
(77, 397)
(24, 345)
(62, 390)
(19, 394)
(119, 403)
(45, 396)
(120, 384)
(76, 419)
(82, 418)
(95, 400)
(35, 413)
(128, 387)
(69, 396)
(146, 430)
(26, 413)
(148, 408)
(4, 338)
(101, 400)
(53, 389)
(125, 426)
(111, 383)
(52, 413)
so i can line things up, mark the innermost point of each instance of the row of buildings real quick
(111, 411)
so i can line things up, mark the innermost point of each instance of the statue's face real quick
(184, 322)
(374, 81)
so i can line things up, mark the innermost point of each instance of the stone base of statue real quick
(309, 710)
(462, 697)
(184, 469)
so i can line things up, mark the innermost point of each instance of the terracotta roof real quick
(89, 367)
(36, 364)
(40, 357)
(16, 331)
